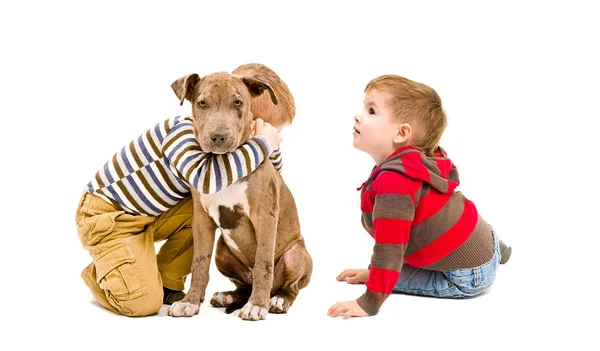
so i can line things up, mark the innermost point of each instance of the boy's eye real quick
(371, 111)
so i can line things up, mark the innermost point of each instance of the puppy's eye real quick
(202, 103)
(237, 103)
(371, 111)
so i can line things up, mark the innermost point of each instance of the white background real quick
(519, 83)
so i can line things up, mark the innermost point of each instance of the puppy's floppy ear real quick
(257, 85)
(184, 86)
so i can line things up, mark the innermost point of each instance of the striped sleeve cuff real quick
(276, 159)
(369, 303)
(264, 143)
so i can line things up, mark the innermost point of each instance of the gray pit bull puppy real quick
(260, 248)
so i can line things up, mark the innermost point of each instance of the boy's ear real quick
(404, 134)
(184, 86)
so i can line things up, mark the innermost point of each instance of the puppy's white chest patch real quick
(233, 198)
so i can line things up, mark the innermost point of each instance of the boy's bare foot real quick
(505, 252)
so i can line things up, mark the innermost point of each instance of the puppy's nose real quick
(218, 136)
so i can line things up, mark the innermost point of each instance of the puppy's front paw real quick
(183, 309)
(253, 313)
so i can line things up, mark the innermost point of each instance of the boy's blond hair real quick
(416, 104)
(278, 115)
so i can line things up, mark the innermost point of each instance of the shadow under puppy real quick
(261, 249)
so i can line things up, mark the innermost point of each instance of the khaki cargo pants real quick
(126, 275)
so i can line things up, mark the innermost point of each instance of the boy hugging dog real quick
(142, 195)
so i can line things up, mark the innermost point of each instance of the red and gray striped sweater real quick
(411, 209)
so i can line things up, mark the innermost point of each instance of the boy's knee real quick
(147, 303)
(116, 280)
(144, 305)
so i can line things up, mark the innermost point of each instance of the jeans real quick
(458, 283)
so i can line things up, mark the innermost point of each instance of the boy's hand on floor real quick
(354, 276)
(348, 309)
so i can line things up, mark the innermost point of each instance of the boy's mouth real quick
(356, 131)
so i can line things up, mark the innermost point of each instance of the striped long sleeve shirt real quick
(410, 207)
(154, 172)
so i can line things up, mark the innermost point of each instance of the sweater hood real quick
(437, 171)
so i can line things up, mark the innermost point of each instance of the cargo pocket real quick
(96, 228)
(117, 273)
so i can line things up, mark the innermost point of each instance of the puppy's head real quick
(221, 107)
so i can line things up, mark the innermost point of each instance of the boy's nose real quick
(356, 118)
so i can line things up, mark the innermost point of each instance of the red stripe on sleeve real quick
(447, 242)
(382, 280)
(391, 231)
